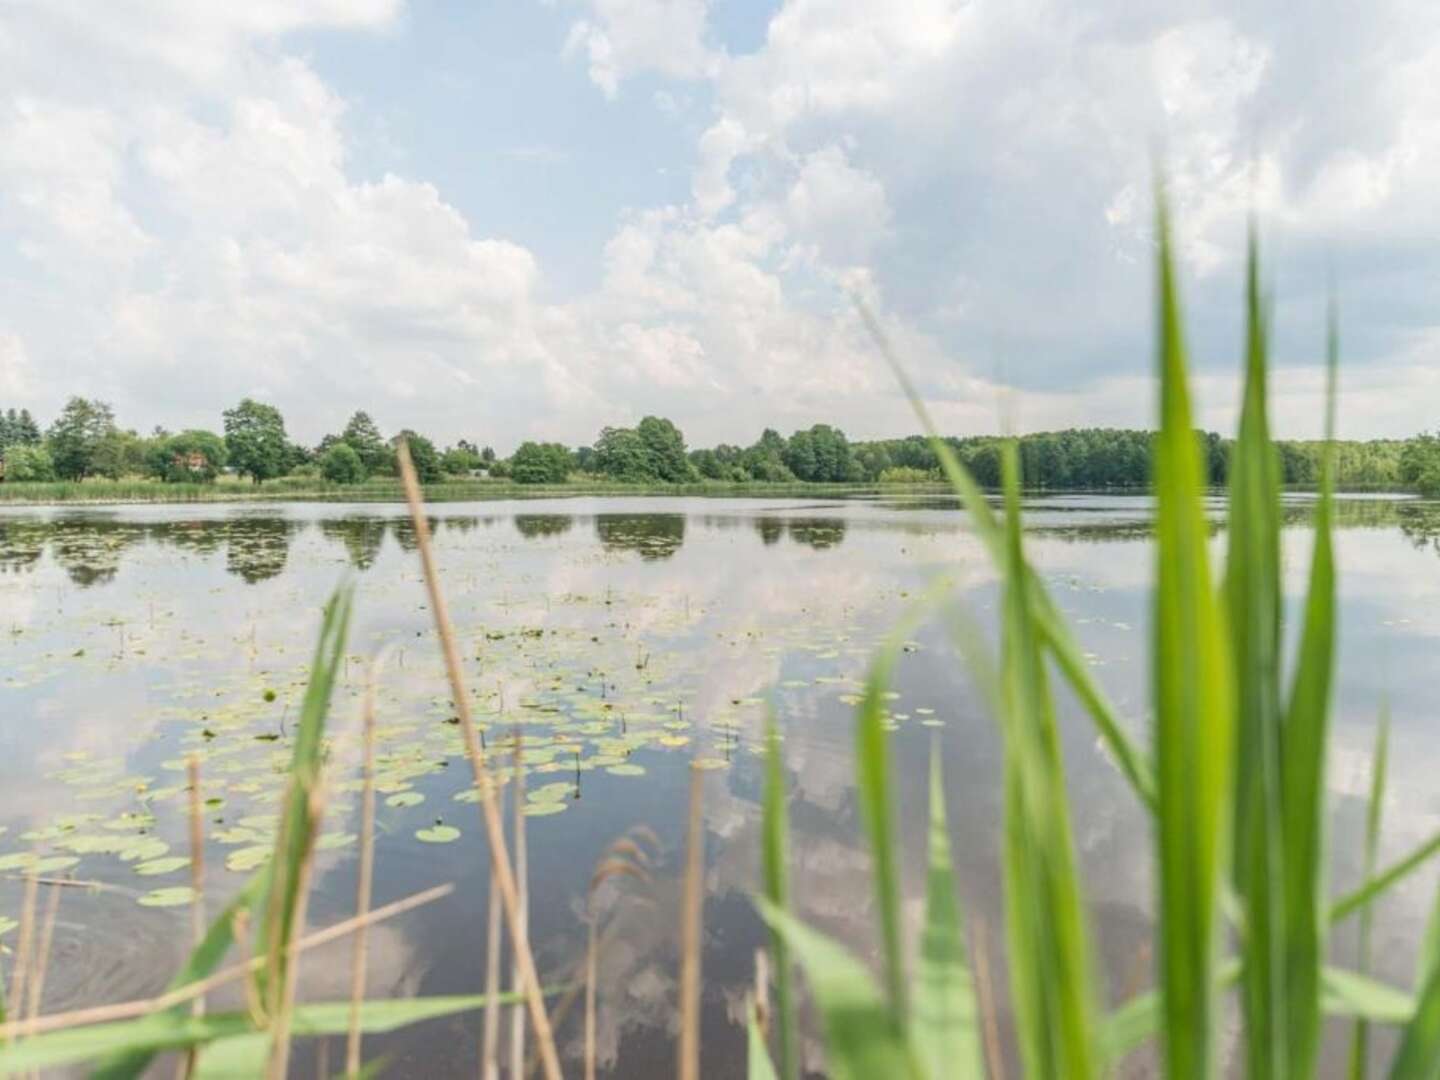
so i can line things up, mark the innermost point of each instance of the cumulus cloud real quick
(183, 219)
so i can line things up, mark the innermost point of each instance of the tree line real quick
(85, 441)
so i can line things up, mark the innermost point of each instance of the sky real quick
(512, 219)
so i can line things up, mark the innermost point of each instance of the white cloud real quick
(15, 374)
(624, 38)
(183, 198)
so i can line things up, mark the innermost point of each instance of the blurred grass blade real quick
(202, 962)
(1380, 760)
(861, 1042)
(1419, 1053)
(946, 1028)
(1348, 993)
(1382, 882)
(1305, 737)
(169, 1030)
(1253, 595)
(275, 929)
(1193, 700)
(1138, 1019)
(758, 1065)
(1051, 983)
(872, 777)
(1071, 661)
(775, 857)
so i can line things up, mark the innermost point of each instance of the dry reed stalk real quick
(22, 952)
(494, 943)
(500, 866)
(985, 990)
(125, 1010)
(590, 965)
(522, 874)
(185, 1066)
(278, 1065)
(42, 954)
(358, 959)
(690, 921)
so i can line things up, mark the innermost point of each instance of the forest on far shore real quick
(85, 441)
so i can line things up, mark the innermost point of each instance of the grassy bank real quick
(288, 489)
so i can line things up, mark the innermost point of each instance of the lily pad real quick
(544, 809)
(247, 858)
(405, 798)
(167, 865)
(628, 769)
(173, 896)
(438, 834)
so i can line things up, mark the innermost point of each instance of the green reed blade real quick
(171, 1031)
(1306, 734)
(1194, 724)
(292, 842)
(775, 866)
(946, 1020)
(1051, 982)
(1380, 761)
(1128, 755)
(872, 780)
(202, 962)
(1253, 595)
(1361, 898)
(861, 1041)
(758, 1065)
(1419, 1055)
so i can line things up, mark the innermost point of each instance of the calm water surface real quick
(624, 638)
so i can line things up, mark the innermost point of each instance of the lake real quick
(625, 638)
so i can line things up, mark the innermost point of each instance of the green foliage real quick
(903, 474)
(1420, 465)
(190, 457)
(423, 455)
(654, 451)
(621, 455)
(18, 428)
(665, 450)
(75, 437)
(25, 463)
(821, 455)
(255, 440)
(119, 454)
(364, 438)
(540, 463)
(460, 460)
(341, 464)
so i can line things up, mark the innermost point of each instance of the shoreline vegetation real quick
(98, 491)
(107, 493)
(256, 458)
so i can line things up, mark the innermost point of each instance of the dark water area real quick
(622, 639)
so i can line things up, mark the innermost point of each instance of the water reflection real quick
(90, 546)
(361, 536)
(654, 536)
(533, 526)
(591, 623)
